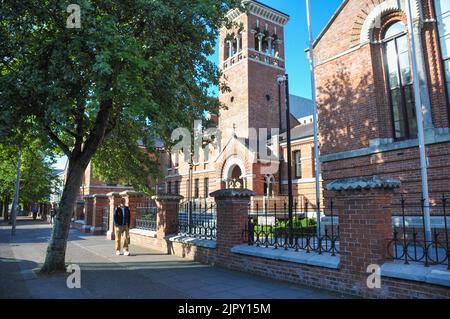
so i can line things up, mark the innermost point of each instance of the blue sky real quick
(296, 41)
(296, 37)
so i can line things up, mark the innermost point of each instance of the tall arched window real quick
(443, 19)
(400, 81)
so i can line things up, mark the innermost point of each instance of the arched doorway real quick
(236, 177)
(233, 174)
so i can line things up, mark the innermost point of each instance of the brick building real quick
(367, 117)
(251, 58)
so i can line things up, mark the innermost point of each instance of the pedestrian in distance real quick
(53, 212)
(34, 211)
(122, 228)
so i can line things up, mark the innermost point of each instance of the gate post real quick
(100, 201)
(232, 218)
(114, 201)
(365, 223)
(88, 212)
(167, 214)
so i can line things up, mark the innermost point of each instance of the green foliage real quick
(298, 224)
(133, 71)
(37, 178)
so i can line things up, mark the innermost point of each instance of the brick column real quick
(132, 200)
(167, 214)
(365, 223)
(232, 217)
(88, 212)
(113, 200)
(79, 208)
(100, 202)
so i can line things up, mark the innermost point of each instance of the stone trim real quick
(380, 10)
(432, 137)
(131, 193)
(99, 195)
(262, 11)
(142, 232)
(115, 194)
(167, 197)
(436, 275)
(360, 183)
(206, 243)
(299, 257)
(232, 193)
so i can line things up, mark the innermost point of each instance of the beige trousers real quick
(122, 233)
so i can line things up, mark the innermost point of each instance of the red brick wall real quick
(354, 104)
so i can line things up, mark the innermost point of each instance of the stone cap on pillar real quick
(100, 195)
(167, 197)
(239, 193)
(131, 193)
(87, 196)
(363, 183)
(115, 194)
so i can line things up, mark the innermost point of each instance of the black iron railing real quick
(198, 218)
(105, 219)
(409, 242)
(146, 217)
(270, 226)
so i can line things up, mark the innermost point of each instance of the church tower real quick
(251, 58)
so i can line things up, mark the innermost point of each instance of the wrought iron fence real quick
(409, 242)
(198, 218)
(146, 216)
(271, 226)
(105, 219)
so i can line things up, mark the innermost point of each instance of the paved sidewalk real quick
(144, 274)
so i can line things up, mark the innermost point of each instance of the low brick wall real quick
(183, 250)
(365, 223)
(334, 280)
(344, 284)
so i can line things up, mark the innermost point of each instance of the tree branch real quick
(98, 131)
(58, 142)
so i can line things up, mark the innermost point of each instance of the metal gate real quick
(105, 219)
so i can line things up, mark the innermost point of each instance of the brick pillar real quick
(365, 223)
(113, 200)
(232, 217)
(100, 202)
(79, 208)
(167, 214)
(132, 200)
(88, 212)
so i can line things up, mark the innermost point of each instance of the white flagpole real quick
(421, 135)
(316, 143)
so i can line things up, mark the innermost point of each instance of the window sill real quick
(436, 275)
(300, 257)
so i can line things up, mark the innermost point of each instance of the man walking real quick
(122, 225)
(53, 212)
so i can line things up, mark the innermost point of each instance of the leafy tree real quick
(38, 177)
(141, 63)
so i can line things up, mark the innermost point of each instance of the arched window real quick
(443, 19)
(400, 81)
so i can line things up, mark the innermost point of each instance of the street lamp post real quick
(285, 79)
(280, 124)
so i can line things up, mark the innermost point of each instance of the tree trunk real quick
(56, 250)
(6, 211)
